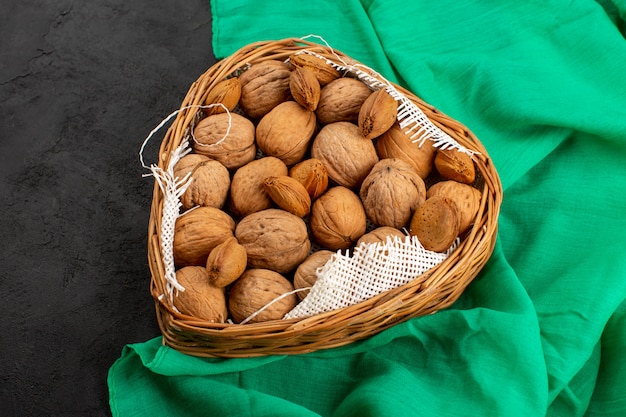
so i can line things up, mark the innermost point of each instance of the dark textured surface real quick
(81, 86)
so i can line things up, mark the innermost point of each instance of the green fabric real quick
(542, 331)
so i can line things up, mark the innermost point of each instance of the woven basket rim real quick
(430, 292)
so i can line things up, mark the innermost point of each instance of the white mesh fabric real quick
(371, 270)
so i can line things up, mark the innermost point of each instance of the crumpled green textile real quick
(542, 330)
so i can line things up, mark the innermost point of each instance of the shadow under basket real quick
(432, 291)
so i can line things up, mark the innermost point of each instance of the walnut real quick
(338, 218)
(234, 149)
(380, 234)
(391, 192)
(306, 273)
(247, 192)
(341, 100)
(197, 232)
(346, 154)
(285, 132)
(209, 186)
(200, 299)
(274, 239)
(254, 290)
(264, 86)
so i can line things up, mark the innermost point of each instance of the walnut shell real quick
(200, 299)
(380, 234)
(274, 239)
(226, 262)
(264, 86)
(454, 165)
(396, 143)
(324, 72)
(341, 100)
(306, 273)
(233, 150)
(391, 192)
(436, 224)
(347, 156)
(466, 198)
(197, 232)
(247, 192)
(304, 87)
(187, 163)
(285, 132)
(312, 174)
(209, 187)
(227, 93)
(255, 289)
(338, 218)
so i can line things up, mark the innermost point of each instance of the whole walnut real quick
(200, 299)
(227, 138)
(209, 186)
(465, 197)
(391, 192)
(346, 154)
(264, 86)
(187, 163)
(274, 239)
(285, 132)
(247, 192)
(341, 100)
(306, 273)
(197, 232)
(380, 234)
(257, 288)
(338, 218)
(396, 143)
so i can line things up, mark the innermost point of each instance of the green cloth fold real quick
(542, 330)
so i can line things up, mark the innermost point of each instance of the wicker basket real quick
(438, 288)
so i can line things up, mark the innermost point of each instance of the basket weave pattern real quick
(434, 290)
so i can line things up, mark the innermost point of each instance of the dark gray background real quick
(81, 85)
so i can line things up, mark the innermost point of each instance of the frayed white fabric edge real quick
(172, 188)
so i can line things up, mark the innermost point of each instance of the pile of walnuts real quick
(307, 161)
